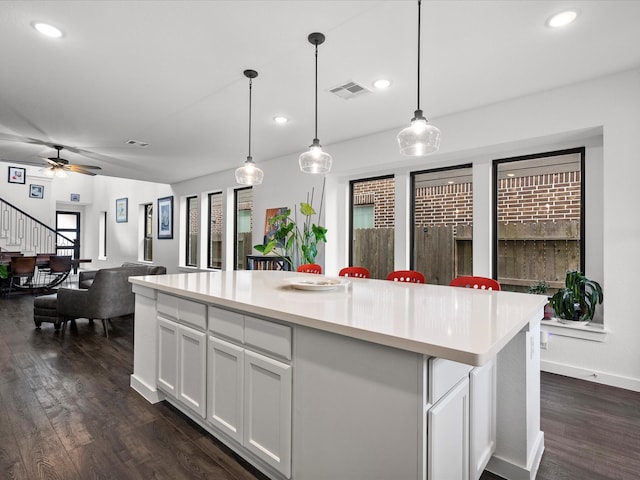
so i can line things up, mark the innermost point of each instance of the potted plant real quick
(541, 288)
(4, 272)
(577, 301)
(293, 243)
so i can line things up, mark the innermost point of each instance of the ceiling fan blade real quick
(91, 167)
(51, 161)
(78, 169)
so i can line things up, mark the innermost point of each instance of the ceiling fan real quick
(59, 166)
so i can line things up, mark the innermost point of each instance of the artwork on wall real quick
(122, 210)
(271, 229)
(165, 218)
(17, 175)
(36, 191)
(75, 197)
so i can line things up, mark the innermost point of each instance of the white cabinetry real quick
(482, 395)
(182, 351)
(249, 384)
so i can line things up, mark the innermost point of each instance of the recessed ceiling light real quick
(48, 30)
(280, 119)
(562, 19)
(381, 84)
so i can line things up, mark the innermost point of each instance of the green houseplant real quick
(4, 272)
(578, 299)
(296, 244)
(542, 288)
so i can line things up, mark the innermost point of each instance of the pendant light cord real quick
(316, 131)
(250, 87)
(419, 2)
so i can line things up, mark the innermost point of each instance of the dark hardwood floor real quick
(67, 412)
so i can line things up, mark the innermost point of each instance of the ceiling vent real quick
(349, 90)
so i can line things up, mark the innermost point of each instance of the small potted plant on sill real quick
(577, 301)
(542, 288)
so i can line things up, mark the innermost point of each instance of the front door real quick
(68, 225)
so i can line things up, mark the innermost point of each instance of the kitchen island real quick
(366, 379)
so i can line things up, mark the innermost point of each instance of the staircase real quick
(19, 231)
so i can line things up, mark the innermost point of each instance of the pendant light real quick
(249, 173)
(419, 138)
(315, 160)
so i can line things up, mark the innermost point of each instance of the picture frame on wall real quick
(17, 175)
(36, 191)
(165, 218)
(122, 210)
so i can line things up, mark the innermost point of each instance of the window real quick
(372, 225)
(193, 223)
(147, 248)
(539, 212)
(102, 235)
(214, 255)
(442, 223)
(68, 225)
(243, 226)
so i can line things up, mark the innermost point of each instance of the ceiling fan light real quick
(48, 172)
(60, 173)
(249, 173)
(315, 160)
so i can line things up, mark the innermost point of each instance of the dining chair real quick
(409, 276)
(59, 270)
(470, 281)
(310, 268)
(358, 272)
(22, 268)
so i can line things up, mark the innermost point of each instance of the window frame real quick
(188, 243)
(210, 197)
(494, 194)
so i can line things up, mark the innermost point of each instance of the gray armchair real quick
(85, 277)
(109, 296)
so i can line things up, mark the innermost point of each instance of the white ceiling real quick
(170, 73)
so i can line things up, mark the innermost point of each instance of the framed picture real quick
(36, 191)
(122, 210)
(165, 217)
(75, 197)
(17, 175)
(271, 229)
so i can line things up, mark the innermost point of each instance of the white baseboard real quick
(591, 375)
(507, 469)
(150, 394)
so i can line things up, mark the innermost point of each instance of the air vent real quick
(137, 143)
(349, 90)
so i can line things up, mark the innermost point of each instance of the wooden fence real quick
(527, 252)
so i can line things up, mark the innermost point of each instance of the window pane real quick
(442, 224)
(243, 226)
(215, 231)
(148, 232)
(372, 225)
(193, 222)
(539, 215)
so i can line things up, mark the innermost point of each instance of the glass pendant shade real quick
(60, 173)
(249, 173)
(419, 138)
(315, 160)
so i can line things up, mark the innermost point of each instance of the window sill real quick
(594, 333)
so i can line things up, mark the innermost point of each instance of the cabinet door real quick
(448, 444)
(267, 410)
(225, 386)
(482, 431)
(192, 356)
(167, 356)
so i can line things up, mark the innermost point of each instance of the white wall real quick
(603, 114)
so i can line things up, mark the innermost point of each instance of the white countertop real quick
(460, 324)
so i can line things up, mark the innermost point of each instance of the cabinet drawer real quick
(167, 305)
(443, 376)
(268, 337)
(185, 311)
(226, 324)
(192, 313)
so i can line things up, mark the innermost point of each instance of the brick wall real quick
(380, 193)
(539, 197)
(520, 199)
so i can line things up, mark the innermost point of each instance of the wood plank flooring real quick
(67, 412)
